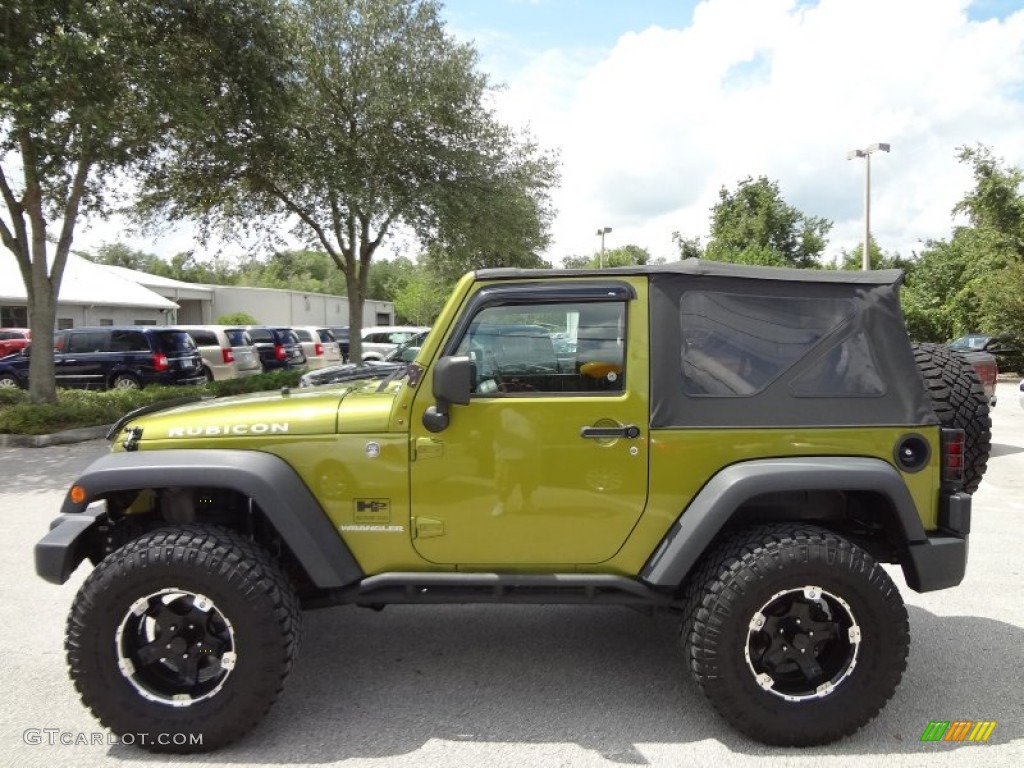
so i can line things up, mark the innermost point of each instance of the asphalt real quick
(514, 685)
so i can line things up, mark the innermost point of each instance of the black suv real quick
(117, 357)
(278, 347)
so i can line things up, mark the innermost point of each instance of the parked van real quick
(319, 346)
(228, 353)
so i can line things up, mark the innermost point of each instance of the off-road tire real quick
(243, 584)
(959, 401)
(749, 571)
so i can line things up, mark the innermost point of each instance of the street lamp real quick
(866, 154)
(602, 232)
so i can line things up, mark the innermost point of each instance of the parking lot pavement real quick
(517, 685)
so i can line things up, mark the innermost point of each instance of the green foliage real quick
(384, 122)
(90, 91)
(854, 259)
(689, 247)
(87, 408)
(623, 256)
(237, 318)
(389, 278)
(421, 299)
(973, 282)
(754, 225)
(259, 383)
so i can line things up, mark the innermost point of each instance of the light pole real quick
(866, 154)
(602, 232)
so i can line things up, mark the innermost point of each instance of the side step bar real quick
(434, 588)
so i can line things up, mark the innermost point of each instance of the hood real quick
(279, 413)
(370, 369)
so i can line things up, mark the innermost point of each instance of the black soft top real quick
(711, 269)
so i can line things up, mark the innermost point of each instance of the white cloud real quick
(652, 129)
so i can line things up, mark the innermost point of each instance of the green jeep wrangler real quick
(741, 446)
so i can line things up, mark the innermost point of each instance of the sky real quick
(655, 105)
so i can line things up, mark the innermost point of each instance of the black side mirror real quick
(452, 386)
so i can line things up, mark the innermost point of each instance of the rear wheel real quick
(125, 381)
(183, 638)
(959, 401)
(798, 637)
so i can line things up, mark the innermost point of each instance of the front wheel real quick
(181, 640)
(798, 637)
(8, 381)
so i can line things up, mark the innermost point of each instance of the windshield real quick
(413, 341)
(970, 342)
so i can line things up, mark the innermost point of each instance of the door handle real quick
(629, 431)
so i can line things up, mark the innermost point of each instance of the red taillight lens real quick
(279, 352)
(160, 362)
(318, 349)
(229, 356)
(953, 456)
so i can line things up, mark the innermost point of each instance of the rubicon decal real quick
(958, 730)
(210, 430)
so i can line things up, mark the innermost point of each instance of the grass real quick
(87, 408)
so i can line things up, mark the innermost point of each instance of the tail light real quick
(318, 349)
(953, 456)
(280, 352)
(228, 354)
(988, 373)
(160, 362)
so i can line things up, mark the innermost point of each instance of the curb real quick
(57, 438)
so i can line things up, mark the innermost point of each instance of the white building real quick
(97, 294)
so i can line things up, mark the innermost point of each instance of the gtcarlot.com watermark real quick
(59, 737)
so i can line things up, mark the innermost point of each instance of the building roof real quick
(164, 286)
(84, 283)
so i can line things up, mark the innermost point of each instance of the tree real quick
(689, 247)
(93, 89)
(973, 281)
(996, 204)
(237, 318)
(122, 255)
(383, 124)
(754, 225)
(623, 256)
(854, 259)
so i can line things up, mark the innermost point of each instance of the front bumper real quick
(61, 550)
(940, 561)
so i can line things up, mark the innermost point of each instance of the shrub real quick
(87, 408)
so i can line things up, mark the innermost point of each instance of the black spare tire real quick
(960, 402)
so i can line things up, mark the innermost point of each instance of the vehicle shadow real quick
(379, 685)
(1000, 449)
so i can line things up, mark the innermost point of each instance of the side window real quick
(88, 341)
(204, 338)
(128, 341)
(738, 344)
(553, 348)
(303, 334)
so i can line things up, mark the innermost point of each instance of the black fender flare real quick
(712, 508)
(268, 480)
